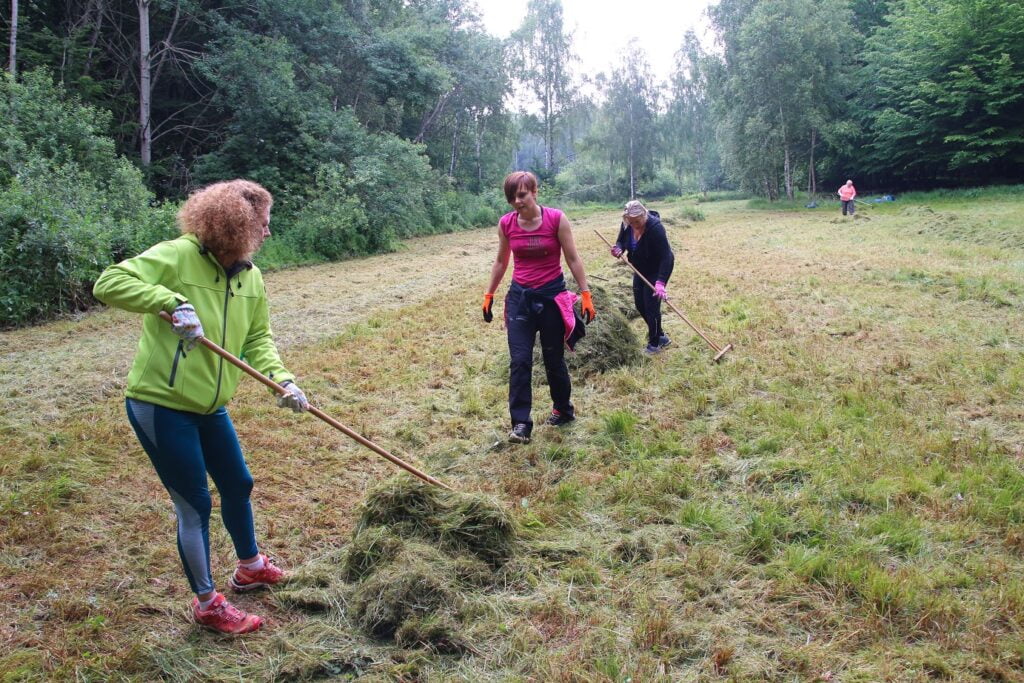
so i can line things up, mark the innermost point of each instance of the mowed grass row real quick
(841, 498)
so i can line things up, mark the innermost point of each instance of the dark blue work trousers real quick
(523, 323)
(649, 307)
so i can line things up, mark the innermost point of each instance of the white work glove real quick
(292, 398)
(186, 325)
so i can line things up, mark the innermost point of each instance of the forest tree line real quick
(371, 121)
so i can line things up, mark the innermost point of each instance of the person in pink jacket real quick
(846, 195)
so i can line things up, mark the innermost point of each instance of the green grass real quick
(965, 196)
(843, 493)
(759, 204)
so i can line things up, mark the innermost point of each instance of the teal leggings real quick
(183, 448)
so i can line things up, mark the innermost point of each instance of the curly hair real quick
(227, 218)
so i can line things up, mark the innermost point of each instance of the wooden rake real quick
(720, 351)
(280, 390)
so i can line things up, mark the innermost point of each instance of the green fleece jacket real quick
(233, 312)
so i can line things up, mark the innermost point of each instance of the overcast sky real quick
(602, 29)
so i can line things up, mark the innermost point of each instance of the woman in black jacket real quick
(643, 236)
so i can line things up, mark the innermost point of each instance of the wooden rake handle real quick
(719, 350)
(280, 390)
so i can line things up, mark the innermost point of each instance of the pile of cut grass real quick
(682, 215)
(460, 523)
(610, 342)
(418, 559)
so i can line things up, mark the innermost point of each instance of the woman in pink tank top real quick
(536, 238)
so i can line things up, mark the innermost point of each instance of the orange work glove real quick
(588, 307)
(488, 302)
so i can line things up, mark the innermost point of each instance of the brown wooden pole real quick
(719, 350)
(355, 436)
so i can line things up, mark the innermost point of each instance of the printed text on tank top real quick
(534, 247)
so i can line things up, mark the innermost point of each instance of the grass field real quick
(841, 499)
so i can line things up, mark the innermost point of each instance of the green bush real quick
(354, 214)
(69, 206)
(721, 196)
(334, 223)
(681, 214)
(663, 184)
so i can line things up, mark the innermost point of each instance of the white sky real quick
(602, 28)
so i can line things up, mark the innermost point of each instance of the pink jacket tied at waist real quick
(565, 301)
(847, 192)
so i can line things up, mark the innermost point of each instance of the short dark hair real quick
(515, 179)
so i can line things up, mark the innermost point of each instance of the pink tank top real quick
(536, 254)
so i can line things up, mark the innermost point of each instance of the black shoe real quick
(664, 341)
(557, 419)
(520, 433)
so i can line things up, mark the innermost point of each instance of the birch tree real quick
(545, 50)
(12, 61)
(632, 103)
(145, 86)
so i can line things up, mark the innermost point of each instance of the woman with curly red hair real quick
(175, 396)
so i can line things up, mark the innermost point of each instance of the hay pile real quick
(610, 342)
(620, 292)
(419, 557)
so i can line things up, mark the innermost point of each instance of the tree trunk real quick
(12, 63)
(549, 134)
(455, 148)
(812, 180)
(145, 65)
(94, 39)
(632, 185)
(787, 173)
(787, 166)
(481, 126)
(698, 155)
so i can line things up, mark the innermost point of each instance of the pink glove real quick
(616, 251)
(659, 290)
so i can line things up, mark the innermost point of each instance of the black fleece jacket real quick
(653, 256)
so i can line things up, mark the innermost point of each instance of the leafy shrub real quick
(334, 223)
(365, 210)
(69, 206)
(722, 196)
(663, 184)
(681, 214)
(584, 180)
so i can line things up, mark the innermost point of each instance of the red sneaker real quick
(247, 580)
(223, 617)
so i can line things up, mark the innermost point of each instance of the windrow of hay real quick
(415, 585)
(459, 522)
(419, 557)
(610, 342)
(619, 291)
